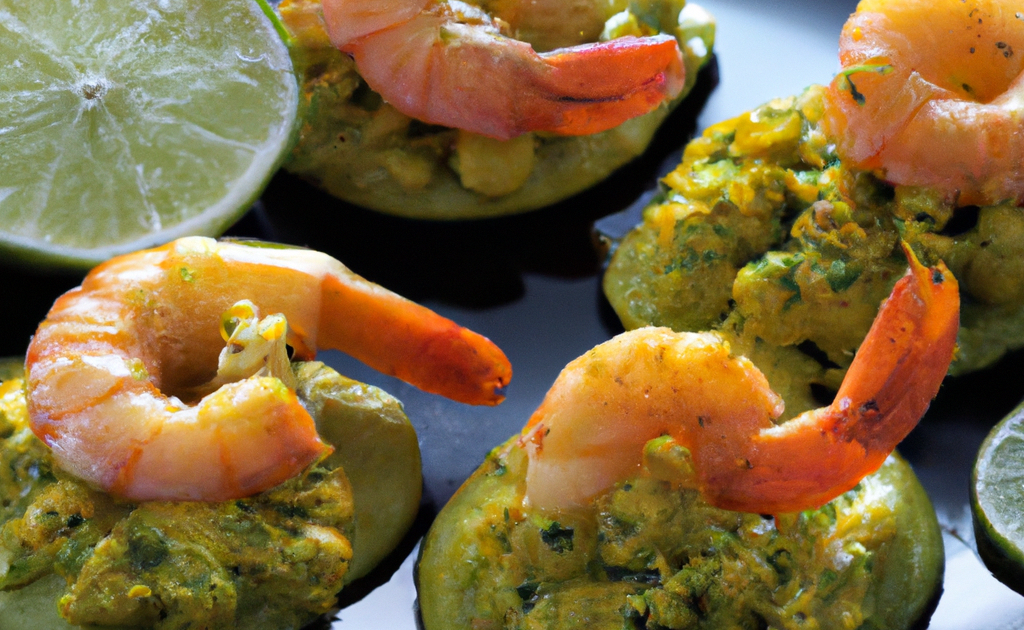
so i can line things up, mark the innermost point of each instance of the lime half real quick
(997, 500)
(128, 123)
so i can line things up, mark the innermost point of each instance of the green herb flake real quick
(147, 549)
(527, 590)
(841, 276)
(827, 578)
(846, 82)
(557, 538)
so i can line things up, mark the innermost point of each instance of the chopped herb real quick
(644, 576)
(291, 511)
(502, 537)
(828, 576)
(790, 284)
(782, 562)
(841, 276)
(527, 592)
(846, 83)
(147, 549)
(557, 538)
(73, 555)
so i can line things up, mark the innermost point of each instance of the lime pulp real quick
(128, 123)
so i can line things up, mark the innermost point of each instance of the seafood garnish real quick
(589, 432)
(932, 94)
(452, 63)
(123, 382)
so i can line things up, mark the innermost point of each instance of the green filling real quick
(650, 554)
(70, 554)
(763, 234)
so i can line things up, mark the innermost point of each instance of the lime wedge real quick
(128, 123)
(997, 500)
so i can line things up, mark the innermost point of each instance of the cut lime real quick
(128, 123)
(997, 500)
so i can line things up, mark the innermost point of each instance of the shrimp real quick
(932, 94)
(122, 375)
(448, 63)
(589, 432)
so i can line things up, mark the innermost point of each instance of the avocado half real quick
(650, 553)
(360, 149)
(275, 561)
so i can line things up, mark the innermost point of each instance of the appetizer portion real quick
(446, 110)
(615, 506)
(781, 227)
(173, 458)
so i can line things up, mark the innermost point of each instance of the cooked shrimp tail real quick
(590, 430)
(448, 63)
(400, 338)
(131, 385)
(897, 371)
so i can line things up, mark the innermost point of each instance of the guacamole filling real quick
(363, 150)
(652, 554)
(762, 233)
(272, 561)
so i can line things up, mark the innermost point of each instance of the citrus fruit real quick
(128, 123)
(997, 500)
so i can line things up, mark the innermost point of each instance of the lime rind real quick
(153, 119)
(279, 26)
(997, 500)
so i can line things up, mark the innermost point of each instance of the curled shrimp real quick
(589, 432)
(123, 380)
(448, 63)
(932, 94)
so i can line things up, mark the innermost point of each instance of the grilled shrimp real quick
(589, 432)
(124, 384)
(450, 63)
(932, 94)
